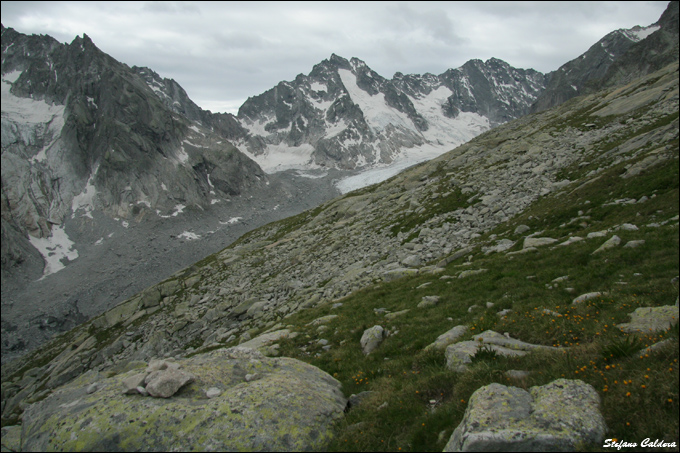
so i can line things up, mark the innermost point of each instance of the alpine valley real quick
(137, 226)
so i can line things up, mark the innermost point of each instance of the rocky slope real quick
(412, 224)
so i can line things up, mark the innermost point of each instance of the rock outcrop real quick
(459, 355)
(238, 400)
(647, 320)
(561, 416)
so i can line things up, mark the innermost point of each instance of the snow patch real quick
(638, 34)
(192, 144)
(282, 157)
(196, 129)
(54, 250)
(182, 156)
(189, 236)
(178, 210)
(29, 116)
(376, 111)
(85, 200)
(231, 221)
(316, 86)
(316, 175)
(379, 174)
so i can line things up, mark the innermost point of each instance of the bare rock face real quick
(238, 400)
(560, 416)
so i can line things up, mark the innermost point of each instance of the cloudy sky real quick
(223, 52)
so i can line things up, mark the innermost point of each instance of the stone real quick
(291, 407)
(372, 338)
(570, 241)
(501, 246)
(459, 355)
(213, 392)
(11, 438)
(612, 242)
(449, 337)
(165, 383)
(356, 398)
(586, 297)
(563, 415)
(390, 316)
(412, 261)
(266, 339)
(322, 320)
(634, 244)
(518, 375)
(628, 227)
(651, 319)
(471, 272)
(396, 274)
(460, 253)
(132, 382)
(428, 301)
(521, 229)
(537, 242)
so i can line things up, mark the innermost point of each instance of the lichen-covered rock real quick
(448, 337)
(612, 242)
(165, 383)
(289, 406)
(459, 355)
(537, 242)
(651, 319)
(560, 416)
(586, 297)
(266, 339)
(372, 338)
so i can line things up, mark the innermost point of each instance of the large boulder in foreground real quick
(238, 400)
(560, 416)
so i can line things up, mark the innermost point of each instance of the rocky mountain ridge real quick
(344, 114)
(617, 58)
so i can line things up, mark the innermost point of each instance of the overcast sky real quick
(223, 52)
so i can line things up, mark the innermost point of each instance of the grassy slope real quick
(417, 402)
